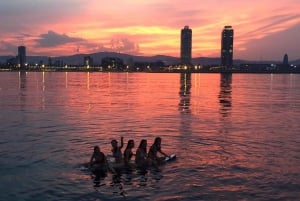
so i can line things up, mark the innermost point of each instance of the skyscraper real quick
(186, 46)
(88, 61)
(21, 56)
(227, 47)
(285, 60)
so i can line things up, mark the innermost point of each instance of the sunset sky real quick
(264, 29)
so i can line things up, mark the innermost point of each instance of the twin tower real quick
(226, 47)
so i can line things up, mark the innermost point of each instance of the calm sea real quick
(236, 137)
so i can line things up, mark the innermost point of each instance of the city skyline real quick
(264, 30)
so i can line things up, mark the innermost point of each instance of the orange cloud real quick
(151, 27)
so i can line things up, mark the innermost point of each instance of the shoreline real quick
(162, 71)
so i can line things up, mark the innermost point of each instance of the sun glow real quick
(145, 28)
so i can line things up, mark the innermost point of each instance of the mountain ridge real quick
(78, 59)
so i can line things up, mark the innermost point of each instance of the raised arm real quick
(122, 143)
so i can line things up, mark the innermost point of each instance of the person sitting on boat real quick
(128, 152)
(98, 162)
(153, 158)
(141, 154)
(117, 150)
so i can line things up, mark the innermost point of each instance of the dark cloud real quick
(14, 13)
(52, 39)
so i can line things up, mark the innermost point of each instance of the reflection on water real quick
(126, 182)
(225, 94)
(66, 80)
(233, 140)
(185, 92)
(225, 100)
(22, 80)
(185, 128)
(22, 89)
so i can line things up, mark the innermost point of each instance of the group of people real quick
(142, 157)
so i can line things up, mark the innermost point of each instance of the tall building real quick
(21, 56)
(227, 47)
(88, 61)
(50, 61)
(286, 60)
(186, 46)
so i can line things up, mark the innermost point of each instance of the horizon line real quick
(177, 57)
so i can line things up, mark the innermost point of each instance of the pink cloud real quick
(144, 27)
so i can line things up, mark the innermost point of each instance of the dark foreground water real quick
(237, 137)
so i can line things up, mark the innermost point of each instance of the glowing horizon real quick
(262, 29)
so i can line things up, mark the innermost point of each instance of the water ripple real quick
(236, 136)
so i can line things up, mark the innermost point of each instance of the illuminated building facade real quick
(186, 46)
(227, 47)
(88, 61)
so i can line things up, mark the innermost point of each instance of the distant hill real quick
(3, 59)
(78, 59)
(296, 62)
(206, 61)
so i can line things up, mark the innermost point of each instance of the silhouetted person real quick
(98, 162)
(128, 152)
(117, 150)
(153, 158)
(141, 154)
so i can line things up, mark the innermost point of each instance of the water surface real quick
(236, 136)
